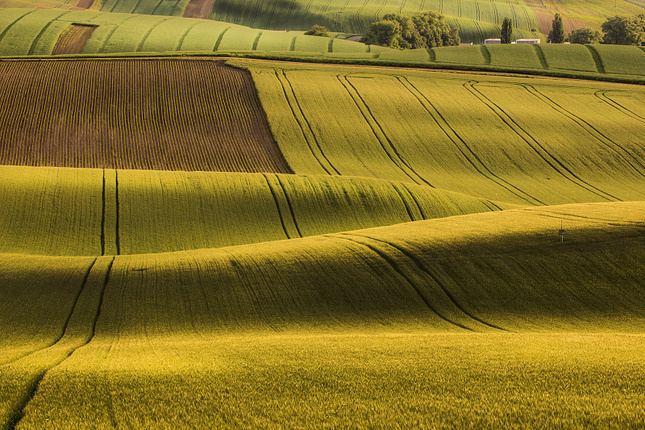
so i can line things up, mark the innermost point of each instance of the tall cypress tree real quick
(557, 30)
(507, 30)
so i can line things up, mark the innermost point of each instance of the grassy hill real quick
(187, 241)
(476, 20)
(44, 32)
(157, 326)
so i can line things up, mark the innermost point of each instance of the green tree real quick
(383, 33)
(557, 30)
(624, 30)
(317, 30)
(409, 36)
(585, 36)
(507, 30)
(435, 31)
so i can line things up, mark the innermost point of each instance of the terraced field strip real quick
(74, 39)
(64, 211)
(134, 114)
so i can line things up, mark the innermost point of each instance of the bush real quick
(317, 30)
(585, 36)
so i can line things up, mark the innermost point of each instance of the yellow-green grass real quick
(355, 380)
(472, 55)
(480, 135)
(357, 319)
(625, 60)
(487, 272)
(59, 211)
(51, 211)
(569, 57)
(373, 302)
(520, 56)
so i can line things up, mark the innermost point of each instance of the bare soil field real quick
(134, 114)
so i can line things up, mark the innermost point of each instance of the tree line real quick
(618, 30)
(430, 29)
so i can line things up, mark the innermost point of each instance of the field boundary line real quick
(589, 128)
(305, 126)
(527, 138)
(254, 47)
(7, 28)
(103, 210)
(150, 29)
(602, 95)
(419, 264)
(454, 137)
(183, 36)
(379, 133)
(597, 59)
(32, 48)
(117, 207)
(220, 37)
(541, 56)
(486, 54)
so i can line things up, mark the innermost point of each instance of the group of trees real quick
(430, 29)
(618, 30)
(426, 30)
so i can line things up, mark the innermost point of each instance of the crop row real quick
(134, 114)
(483, 137)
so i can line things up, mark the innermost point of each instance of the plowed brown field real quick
(172, 114)
(73, 40)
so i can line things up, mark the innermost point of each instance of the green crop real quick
(299, 245)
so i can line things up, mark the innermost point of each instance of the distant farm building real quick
(492, 41)
(527, 41)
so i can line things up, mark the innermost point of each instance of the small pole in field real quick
(561, 232)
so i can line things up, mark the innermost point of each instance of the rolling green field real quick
(409, 272)
(211, 220)
(475, 19)
(45, 32)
